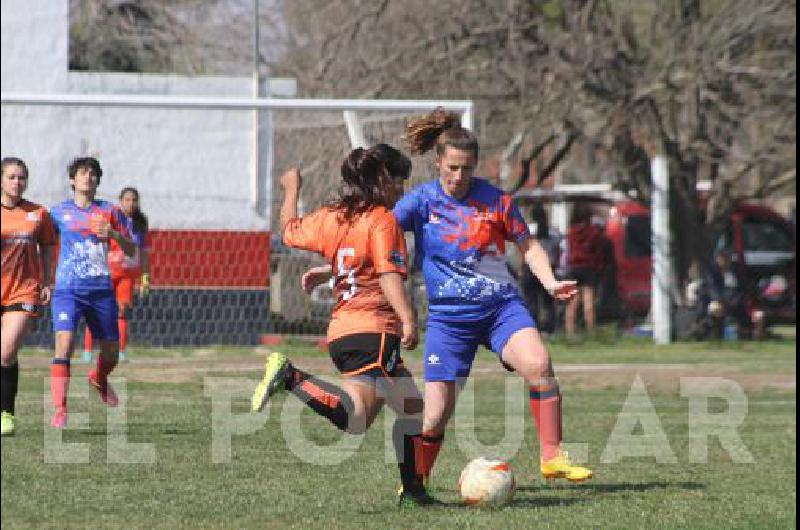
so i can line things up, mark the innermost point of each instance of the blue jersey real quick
(460, 245)
(83, 257)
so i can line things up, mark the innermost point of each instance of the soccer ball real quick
(487, 482)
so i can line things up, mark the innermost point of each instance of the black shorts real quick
(32, 309)
(369, 354)
(584, 276)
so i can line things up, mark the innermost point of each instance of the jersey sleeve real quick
(53, 216)
(306, 233)
(516, 229)
(387, 246)
(47, 231)
(406, 210)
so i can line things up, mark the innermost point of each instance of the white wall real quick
(194, 169)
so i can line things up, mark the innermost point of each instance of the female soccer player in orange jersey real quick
(126, 270)
(358, 235)
(26, 232)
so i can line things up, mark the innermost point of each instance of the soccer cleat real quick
(420, 498)
(107, 394)
(560, 466)
(6, 424)
(276, 374)
(123, 356)
(59, 420)
(87, 356)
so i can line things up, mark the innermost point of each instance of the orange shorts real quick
(123, 289)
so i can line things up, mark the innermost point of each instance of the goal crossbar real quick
(223, 103)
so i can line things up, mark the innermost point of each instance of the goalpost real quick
(207, 171)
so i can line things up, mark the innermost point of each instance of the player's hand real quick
(563, 290)
(409, 335)
(315, 276)
(45, 295)
(144, 285)
(291, 180)
(100, 226)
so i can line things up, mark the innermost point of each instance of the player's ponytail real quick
(439, 129)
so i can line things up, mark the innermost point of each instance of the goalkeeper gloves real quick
(144, 285)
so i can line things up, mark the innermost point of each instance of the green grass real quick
(265, 486)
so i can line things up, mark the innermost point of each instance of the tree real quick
(712, 85)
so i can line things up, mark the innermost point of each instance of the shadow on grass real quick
(618, 487)
(134, 429)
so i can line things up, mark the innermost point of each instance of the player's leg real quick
(571, 316)
(449, 351)
(101, 319)
(88, 345)
(67, 311)
(14, 326)
(521, 347)
(405, 399)
(352, 406)
(123, 290)
(587, 298)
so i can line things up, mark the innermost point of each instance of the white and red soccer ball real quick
(487, 482)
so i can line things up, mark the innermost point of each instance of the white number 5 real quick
(348, 274)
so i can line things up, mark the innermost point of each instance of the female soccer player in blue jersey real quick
(83, 282)
(461, 224)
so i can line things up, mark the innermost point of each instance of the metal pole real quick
(222, 103)
(661, 302)
(355, 131)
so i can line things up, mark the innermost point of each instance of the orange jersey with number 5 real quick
(359, 251)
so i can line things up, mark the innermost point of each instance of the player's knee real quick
(434, 424)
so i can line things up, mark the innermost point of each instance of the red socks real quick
(87, 340)
(59, 382)
(426, 451)
(546, 412)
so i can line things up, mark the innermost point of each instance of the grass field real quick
(264, 485)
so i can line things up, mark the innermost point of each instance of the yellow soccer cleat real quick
(6, 424)
(276, 373)
(560, 466)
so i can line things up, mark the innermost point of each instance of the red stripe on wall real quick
(209, 258)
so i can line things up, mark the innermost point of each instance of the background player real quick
(83, 282)
(27, 233)
(125, 271)
(373, 317)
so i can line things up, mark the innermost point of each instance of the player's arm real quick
(114, 228)
(395, 292)
(539, 262)
(127, 246)
(291, 183)
(316, 276)
(144, 260)
(45, 257)
(46, 239)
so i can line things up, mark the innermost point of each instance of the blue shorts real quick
(450, 345)
(97, 306)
